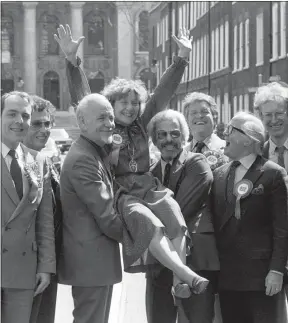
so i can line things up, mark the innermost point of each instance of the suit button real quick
(23, 253)
(4, 250)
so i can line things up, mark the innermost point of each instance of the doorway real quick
(51, 88)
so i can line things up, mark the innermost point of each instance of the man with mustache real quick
(90, 256)
(43, 310)
(271, 104)
(201, 113)
(28, 250)
(189, 176)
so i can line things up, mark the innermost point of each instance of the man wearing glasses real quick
(189, 176)
(249, 206)
(43, 310)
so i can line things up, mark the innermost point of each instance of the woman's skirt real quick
(145, 205)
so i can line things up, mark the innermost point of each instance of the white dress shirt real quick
(212, 142)
(273, 155)
(246, 163)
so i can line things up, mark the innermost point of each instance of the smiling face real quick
(200, 119)
(127, 109)
(39, 131)
(275, 119)
(15, 120)
(169, 139)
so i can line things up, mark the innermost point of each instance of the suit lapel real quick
(157, 171)
(7, 183)
(253, 174)
(176, 169)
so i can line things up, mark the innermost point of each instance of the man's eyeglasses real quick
(37, 125)
(162, 134)
(277, 115)
(230, 129)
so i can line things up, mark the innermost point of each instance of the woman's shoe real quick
(180, 291)
(199, 285)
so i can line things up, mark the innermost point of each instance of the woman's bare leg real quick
(164, 251)
(179, 244)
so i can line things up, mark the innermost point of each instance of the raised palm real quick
(68, 45)
(183, 41)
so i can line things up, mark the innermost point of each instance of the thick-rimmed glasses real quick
(37, 125)
(229, 129)
(162, 134)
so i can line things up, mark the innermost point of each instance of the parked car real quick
(52, 151)
(62, 139)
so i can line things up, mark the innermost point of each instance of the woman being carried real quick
(152, 218)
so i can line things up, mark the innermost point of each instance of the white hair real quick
(271, 92)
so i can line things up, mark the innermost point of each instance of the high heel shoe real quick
(180, 291)
(199, 285)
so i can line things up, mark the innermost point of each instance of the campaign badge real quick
(241, 190)
(212, 160)
(117, 139)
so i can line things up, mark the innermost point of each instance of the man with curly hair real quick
(43, 310)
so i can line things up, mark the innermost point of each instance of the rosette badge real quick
(215, 158)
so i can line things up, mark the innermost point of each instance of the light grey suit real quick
(27, 239)
(90, 258)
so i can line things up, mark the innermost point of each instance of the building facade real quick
(116, 44)
(236, 47)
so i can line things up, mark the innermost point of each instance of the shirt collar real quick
(207, 141)
(163, 163)
(273, 146)
(247, 161)
(5, 150)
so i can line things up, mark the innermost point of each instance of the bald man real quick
(90, 258)
(249, 204)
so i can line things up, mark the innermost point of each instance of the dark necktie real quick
(199, 146)
(231, 180)
(280, 151)
(16, 173)
(167, 175)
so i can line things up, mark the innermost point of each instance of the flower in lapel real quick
(32, 173)
(215, 158)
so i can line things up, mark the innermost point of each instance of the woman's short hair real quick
(23, 95)
(119, 88)
(275, 91)
(200, 97)
(168, 115)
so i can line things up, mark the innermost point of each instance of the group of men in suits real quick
(236, 216)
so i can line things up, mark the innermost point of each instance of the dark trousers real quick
(16, 305)
(159, 301)
(44, 305)
(249, 307)
(92, 304)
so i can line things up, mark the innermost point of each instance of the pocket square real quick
(258, 190)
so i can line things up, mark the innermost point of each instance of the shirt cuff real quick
(276, 272)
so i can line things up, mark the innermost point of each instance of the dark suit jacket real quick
(91, 229)
(191, 180)
(27, 228)
(258, 242)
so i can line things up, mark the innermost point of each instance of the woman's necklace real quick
(132, 164)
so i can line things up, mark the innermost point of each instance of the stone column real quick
(30, 49)
(77, 24)
(124, 41)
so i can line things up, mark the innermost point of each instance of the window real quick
(191, 65)
(235, 105)
(226, 43)
(49, 25)
(180, 21)
(226, 110)
(218, 103)
(222, 46)
(173, 22)
(94, 32)
(158, 34)
(212, 51)
(282, 28)
(198, 58)
(143, 31)
(275, 30)
(7, 39)
(247, 43)
(217, 49)
(246, 102)
(194, 59)
(235, 48)
(195, 13)
(259, 39)
(241, 44)
(240, 107)
(205, 54)
(202, 56)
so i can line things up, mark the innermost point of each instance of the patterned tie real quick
(199, 146)
(231, 180)
(167, 175)
(16, 173)
(280, 151)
